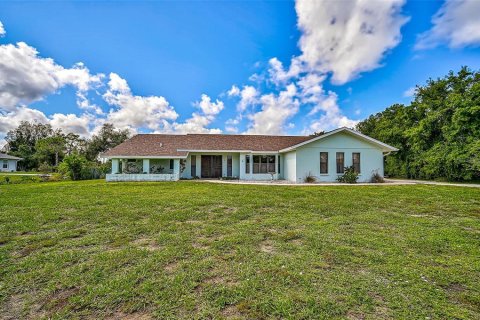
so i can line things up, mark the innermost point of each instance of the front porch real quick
(145, 169)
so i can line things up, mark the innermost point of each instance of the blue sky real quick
(184, 66)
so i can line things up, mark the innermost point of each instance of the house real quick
(8, 163)
(163, 157)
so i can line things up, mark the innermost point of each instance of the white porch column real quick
(146, 165)
(251, 165)
(176, 168)
(276, 164)
(115, 166)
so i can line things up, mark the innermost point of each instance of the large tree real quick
(107, 138)
(438, 134)
(22, 141)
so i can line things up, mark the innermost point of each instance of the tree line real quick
(47, 150)
(438, 133)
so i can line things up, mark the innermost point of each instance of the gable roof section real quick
(4, 156)
(178, 146)
(385, 147)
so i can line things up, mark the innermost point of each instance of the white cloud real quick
(410, 92)
(25, 77)
(12, 119)
(277, 73)
(347, 37)
(133, 112)
(2, 30)
(248, 96)
(72, 123)
(198, 122)
(456, 24)
(275, 111)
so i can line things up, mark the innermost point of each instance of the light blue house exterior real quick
(323, 157)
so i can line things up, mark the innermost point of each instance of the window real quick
(171, 164)
(193, 166)
(263, 164)
(247, 164)
(356, 161)
(323, 162)
(5, 164)
(340, 162)
(229, 166)
(278, 171)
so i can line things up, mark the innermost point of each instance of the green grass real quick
(198, 250)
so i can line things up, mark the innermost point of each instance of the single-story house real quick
(166, 157)
(8, 163)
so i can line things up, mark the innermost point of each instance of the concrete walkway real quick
(388, 182)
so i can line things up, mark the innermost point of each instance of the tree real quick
(21, 141)
(73, 166)
(438, 134)
(50, 149)
(107, 138)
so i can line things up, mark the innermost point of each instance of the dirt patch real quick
(171, 267)
(147, 244)
(455, 287)
(355, 315)
(297, 242)
(231, 312)
(130, 316)
(18, 307)
(59, 299)
(267, 247)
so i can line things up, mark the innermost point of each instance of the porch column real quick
(176, 168)
(124, 163)
(251, 164)
(276, 163)
(146, 165)
(114, 166)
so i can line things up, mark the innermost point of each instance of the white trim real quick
(227, 151)
(145, 157)
(385, 146)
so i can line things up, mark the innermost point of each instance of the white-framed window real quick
(323, 162)
(5, 164)
(263, 164)
(356, 161)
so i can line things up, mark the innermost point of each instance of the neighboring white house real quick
(8, 163)
(159, 157)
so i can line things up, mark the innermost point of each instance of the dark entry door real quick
(211, 166)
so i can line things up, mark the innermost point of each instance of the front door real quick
(211, 166)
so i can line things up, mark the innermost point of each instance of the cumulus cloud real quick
(12, 119)
(80, 125)
(248, 96)
(199, 121)
(276, 109)
(132, 111)
(2, 30)
(456, 24)
(26, 77)
(347, 37)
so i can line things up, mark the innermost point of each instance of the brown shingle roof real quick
(169, 145)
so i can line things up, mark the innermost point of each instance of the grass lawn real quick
(198, 250)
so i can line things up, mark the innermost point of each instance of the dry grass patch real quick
(267, 247)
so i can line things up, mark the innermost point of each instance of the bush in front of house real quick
(349, 175)
(376, 177)
(309, 178)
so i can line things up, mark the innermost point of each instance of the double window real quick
(5, 164)
(263, 164)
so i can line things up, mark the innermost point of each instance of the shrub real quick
(310, 178)
(349, 175)
(73, 166)
(7, 180)
(376, 177)
(45, 168)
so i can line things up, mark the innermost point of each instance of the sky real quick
(235, 67)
